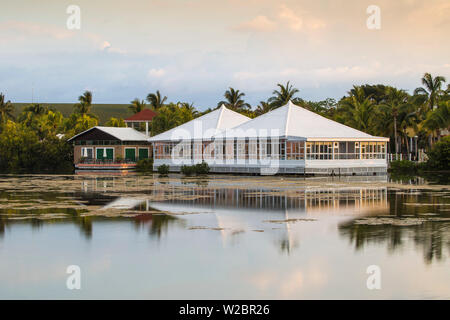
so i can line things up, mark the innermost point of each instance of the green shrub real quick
(403, 167)
(188, 170)
(163, 169)
(144, 165)
(199, 168)
(439, 155)
(202, 168)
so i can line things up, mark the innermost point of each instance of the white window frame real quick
(93, 152)
(113, 149)
(125, 151)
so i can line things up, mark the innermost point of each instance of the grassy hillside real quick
(103, 111)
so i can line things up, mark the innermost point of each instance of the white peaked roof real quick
(124, 134)
(291, 120)
(205, 126)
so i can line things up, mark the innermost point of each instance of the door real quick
(99, 153)
(143, 153)
(110, 154)
(130, 154)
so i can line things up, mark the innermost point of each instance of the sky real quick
(193, 50)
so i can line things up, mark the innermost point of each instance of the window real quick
(241, 152)
(319, 150)
(87, 153)
(373, 150)
(295, 150)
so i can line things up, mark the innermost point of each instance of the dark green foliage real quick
(163, 169)
(21, 150)
(403, 167)
(439, 156)
(199, 168)
(145, 165)
(187, 170)
(103, 111)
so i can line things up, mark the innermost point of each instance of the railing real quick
(108, 161)
(402, 156)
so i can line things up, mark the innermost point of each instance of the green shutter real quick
(130, 154)
(143, 153)
(99, 153)
(109, 154)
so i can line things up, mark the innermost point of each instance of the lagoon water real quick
(224, 237)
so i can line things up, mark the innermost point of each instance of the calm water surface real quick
(223, 237)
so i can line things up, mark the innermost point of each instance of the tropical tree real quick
(432, 89)
(36, 109)
(115, 122)
(189, 108)
(46, 125)
(283, 96)
(83, 122)
(85, 103)
(394, 101)
(357, 110)
(6, 109)
(439, 118)
(234, 100)
(407, 119)
(137, 105)
(168, 117)
(155, 100)
(263, 107)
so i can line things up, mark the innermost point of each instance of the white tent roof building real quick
(289, 139)
(291, 120)
(204, 127)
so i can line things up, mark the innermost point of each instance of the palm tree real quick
(137, 105)
(234, 100)
(407, 118)
(169, 117)
(6, 109)
(432, 89)
(189, 108)
(115, 122)
(155, 100)
(36, 109)
(358, 110)
(263, 107)
(438, 118)
(284, 95)
(394, 101)
(84, 107)
(84, 122)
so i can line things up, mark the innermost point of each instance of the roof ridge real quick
(287, 119)
(219, 118)
(331, 120)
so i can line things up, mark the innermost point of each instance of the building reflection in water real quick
(418, 218)
(235, 211)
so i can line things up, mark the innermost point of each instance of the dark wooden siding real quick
(95, 134)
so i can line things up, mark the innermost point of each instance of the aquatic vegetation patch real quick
(398, 221)
(290, 220)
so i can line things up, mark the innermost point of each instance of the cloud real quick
(27, 29)
(289, 16)
(286, 17)
(156, 73)
(259, 23)
(105, 45)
